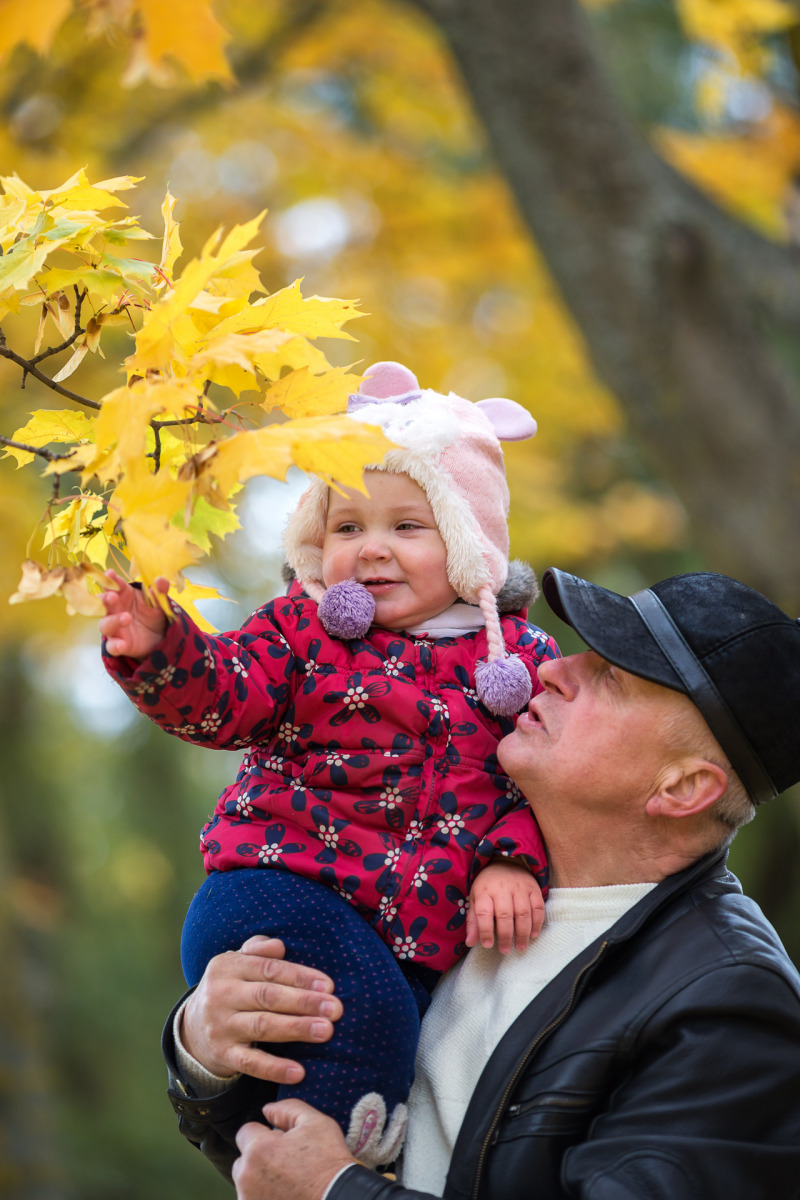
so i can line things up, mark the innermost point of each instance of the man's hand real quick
(252, 995)
(294, 1161)
(132, 627)
(507, 895)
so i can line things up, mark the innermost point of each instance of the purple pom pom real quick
(347, 610)
(504, 685)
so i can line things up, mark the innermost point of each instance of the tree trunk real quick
(673, 297)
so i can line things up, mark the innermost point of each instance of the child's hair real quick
(451, 449)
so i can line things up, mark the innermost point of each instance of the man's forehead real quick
(634, 684)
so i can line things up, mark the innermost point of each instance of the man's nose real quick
(558, 675)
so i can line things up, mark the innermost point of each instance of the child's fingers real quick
(537, 914)
(483, 910)
(505, 917)
(471, 936)
(523, 921)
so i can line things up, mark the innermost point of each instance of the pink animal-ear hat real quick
(450, 447)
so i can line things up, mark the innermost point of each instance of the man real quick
(648, 1044)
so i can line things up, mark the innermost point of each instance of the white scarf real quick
(456, 620)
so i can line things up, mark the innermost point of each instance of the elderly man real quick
(647, 1045)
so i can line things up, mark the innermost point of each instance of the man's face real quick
(596, 737)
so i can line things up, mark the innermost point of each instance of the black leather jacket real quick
(663, 1063)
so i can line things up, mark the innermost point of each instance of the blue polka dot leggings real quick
(374, 1042)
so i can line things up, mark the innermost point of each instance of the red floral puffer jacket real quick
(369, 765)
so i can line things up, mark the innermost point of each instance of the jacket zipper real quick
(547, 1100)
(489, 1139)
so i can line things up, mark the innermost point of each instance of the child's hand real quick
(506, 894)
(132, 627)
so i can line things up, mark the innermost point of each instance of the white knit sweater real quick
(474, 1005)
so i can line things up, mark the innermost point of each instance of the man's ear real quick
(687, 788)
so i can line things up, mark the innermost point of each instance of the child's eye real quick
(408, 525)
(347, 527)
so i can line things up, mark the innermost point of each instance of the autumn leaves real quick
(161, 458)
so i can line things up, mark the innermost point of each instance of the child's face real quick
(389, 542)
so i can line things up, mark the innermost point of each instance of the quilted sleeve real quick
(226, 691)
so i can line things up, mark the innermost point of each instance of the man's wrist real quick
(338, 1175)
(202, 1081)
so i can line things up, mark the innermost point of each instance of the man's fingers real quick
(288, 1114)
(246, 1134)
(249, 1060)
(270, 952)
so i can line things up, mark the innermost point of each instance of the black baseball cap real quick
(734, 653)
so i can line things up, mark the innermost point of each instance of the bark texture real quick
(681, 307)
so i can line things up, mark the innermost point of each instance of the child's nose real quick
(374, 547)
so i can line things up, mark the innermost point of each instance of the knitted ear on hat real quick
(502, 682)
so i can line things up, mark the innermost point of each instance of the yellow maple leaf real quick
(230, 360)
(39, 583)
(120, 428)
(328, 447)
(301, 394)
(188, 595)
(157, 344)
(750, 174)
(35, 22)
(50, 425)
(76, 590)
(19, 264)
(171, 247)
(145, 504)
(9, 301)
(73, 460)
(75, 527)
(336, 448)
(312, 316)
(188, 32)
(78, 194)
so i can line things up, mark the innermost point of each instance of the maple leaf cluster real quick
(160, 460)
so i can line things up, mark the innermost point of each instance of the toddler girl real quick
(369, 807)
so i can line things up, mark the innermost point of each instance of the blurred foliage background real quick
(349, 121)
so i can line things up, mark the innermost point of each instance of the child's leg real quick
(366, 1070)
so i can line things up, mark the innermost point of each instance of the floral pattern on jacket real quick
(370, 765)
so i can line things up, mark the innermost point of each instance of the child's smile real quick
(388, 542)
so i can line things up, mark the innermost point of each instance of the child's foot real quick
(368, 1138)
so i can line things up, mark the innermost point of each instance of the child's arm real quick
(132, 627)
(504, 894)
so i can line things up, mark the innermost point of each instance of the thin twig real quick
(29, 369)
(157, 448)
(40, 450)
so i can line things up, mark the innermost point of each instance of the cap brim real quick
(610, 625)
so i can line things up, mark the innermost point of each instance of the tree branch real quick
(38, 450)
(28, 368)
